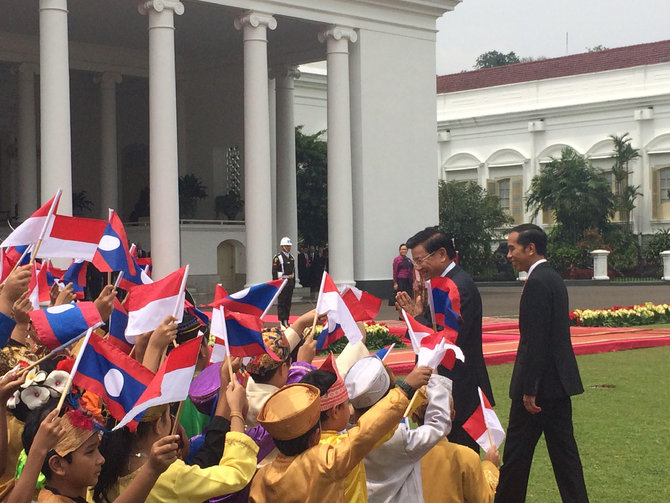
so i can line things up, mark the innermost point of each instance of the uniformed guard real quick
(283, 266)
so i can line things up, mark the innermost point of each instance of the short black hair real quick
(432, 239)
(298, 445)
(531, 233)
(323, 380)
(266, 377)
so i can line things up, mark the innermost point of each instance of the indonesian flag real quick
(171, 382)
(220, 333)
(72, 237)
(148, 305)
(435, 349)
(416, 331)
(220, 293)
(330, 301)
(483, 425)
(36, 226)
(38, 285)
(362, 305)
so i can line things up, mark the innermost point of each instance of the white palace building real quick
(111, 97)
(498, 126)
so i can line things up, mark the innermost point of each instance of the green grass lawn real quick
(622, 431)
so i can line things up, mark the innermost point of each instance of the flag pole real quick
(46, 225)
(182, 289)
(109, 277)
(488, 430)
(54, 352)
(68, 384)
(225, 339)
(16, 266)
(316, 313)
(177, 417)
(118, 279)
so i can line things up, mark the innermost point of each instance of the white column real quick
(272, 102)
(257, 170)
(56, 163)
(287, 201)
(109, 180)
(28, 201)
(163, 170)
(340, 203)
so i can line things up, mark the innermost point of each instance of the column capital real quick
(255, 19)
(338, 33)
(160, 5)
(285, 71)
(108, 79)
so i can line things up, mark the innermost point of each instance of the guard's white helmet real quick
(285, 241)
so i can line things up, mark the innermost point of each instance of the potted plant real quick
(229, 204)
(191, 190)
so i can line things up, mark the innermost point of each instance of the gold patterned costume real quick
(318, 474)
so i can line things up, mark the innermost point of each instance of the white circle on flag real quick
(60, 309)
(109, 243)
(113, 382)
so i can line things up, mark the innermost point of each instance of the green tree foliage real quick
(597, 48)
(624, 194)
(579, 197)
(311, 154)
(471, 215)
(491, 59)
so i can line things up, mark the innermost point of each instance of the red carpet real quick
(500, 338)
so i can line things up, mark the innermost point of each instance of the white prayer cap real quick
(367, 382)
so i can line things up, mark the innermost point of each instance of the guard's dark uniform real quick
(283, 266)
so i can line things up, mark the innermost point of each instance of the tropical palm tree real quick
(624, 194)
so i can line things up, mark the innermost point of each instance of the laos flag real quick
(118, 322)
(445, 302)
(140, 277)
(76, 274)
(112, 253)
(329, 334)
(255, 300)
(244, 334)
(58, 325)
(112, 375)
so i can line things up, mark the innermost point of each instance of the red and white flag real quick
(171, 382)
(219, 330)
(148, 305)
(330, 301)
(416, 331)
(38, 285)
(436, 349)
(36, 226)
(362, 305)
(72, 237)
(483, 425)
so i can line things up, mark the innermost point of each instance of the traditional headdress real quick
(276, 343)
(78, 426)
(337, 393)
(291, 412)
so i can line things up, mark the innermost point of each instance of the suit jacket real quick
(545, 364)
(472, 373)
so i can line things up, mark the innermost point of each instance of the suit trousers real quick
(523, 432)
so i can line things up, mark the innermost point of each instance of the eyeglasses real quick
(419, 261)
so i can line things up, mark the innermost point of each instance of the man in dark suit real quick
(545, 375)
(433, 255)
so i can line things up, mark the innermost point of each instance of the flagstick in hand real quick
(68, 384)
(177, 417)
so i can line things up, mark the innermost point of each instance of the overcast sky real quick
(538, 27)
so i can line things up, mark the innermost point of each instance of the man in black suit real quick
(433, 253)
(545, 375)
